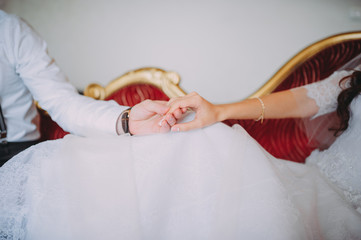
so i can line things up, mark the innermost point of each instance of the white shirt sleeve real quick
(73, 112)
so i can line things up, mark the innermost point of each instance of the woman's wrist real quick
(230, 111)
(220, 112)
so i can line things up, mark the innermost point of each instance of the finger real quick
(170, 119)
(161, 102)
(183, 127)
(161, 121)
(172, 100)
(182, 103)
(156, 107)
(178, 113)
(164, 128)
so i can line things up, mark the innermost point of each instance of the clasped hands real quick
(149, 117)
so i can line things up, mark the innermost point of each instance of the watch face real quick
(125, 121)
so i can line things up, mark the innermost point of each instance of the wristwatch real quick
(124, 118)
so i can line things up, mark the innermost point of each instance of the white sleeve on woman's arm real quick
(325, 92)
(73, 112)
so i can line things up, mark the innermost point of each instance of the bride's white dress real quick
(212, 183)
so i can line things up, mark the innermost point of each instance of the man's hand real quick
(149, 117)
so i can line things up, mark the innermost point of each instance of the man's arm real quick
(73, 112)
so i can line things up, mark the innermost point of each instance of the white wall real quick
(224, 49)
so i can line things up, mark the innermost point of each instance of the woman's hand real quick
(284, 104)
(206, 113)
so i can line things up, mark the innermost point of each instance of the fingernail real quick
(161, 121)
(171, 121)
(175, 130)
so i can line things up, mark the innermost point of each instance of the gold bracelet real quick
(263, 110)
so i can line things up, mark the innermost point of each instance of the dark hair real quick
(345, 98)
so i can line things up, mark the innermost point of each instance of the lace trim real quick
(325, 92)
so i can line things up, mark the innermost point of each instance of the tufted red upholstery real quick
(135, 93)
(49, 129)
(285, 138)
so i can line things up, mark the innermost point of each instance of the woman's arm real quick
(313, 99)
(286, 104)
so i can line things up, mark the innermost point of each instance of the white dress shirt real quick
(27, 73)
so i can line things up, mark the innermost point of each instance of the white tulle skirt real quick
(213, 183)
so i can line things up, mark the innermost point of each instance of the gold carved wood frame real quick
(168, 82)
(301, 58)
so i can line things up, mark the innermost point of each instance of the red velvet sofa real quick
(284, 138)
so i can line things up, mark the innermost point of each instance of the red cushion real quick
(49, 129)
(136, 93)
